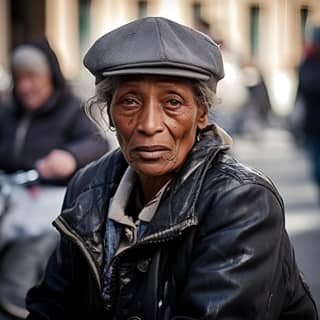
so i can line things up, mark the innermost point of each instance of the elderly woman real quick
(169, 226)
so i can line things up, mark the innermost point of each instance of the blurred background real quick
(263, 43)
(270, 34)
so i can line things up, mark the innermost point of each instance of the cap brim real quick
(177, 72)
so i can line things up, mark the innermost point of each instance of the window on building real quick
(142, 8)
(196, 12)
(304, 14)
(84, 23)
(26, 21)
(254, 30)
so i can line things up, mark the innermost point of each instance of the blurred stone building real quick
(269, 33)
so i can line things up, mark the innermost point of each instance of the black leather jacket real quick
(216, 249)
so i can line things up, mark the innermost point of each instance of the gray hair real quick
(98, 106)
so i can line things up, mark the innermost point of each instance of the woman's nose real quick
(150, 121)
(23, 85)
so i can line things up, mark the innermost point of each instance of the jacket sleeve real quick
(50, 299)
(239, 269)
(84, 141)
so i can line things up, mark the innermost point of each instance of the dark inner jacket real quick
(216, 249)
(58, 124)
(309, 90)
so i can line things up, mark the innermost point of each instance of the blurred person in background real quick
(246, 106)
(308, 97)
(42, 127)
(232, 82)
(256, 112)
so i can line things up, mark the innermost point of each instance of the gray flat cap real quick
(155, 45)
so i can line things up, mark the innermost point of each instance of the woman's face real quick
(156, 119)
(32, 88)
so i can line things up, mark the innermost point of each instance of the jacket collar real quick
(85, 220)
(177, 208)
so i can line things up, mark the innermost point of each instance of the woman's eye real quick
(128, 102)
(173, 103)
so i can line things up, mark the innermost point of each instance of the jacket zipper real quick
(170, 233)
(20, 137)
(60, 225)
(158, 237)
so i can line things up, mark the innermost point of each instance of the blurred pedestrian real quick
(169, 226)
(42, 127)
(308, 96)
(233, 92)
(254, 114)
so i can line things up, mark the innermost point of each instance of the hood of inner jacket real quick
(59, 82)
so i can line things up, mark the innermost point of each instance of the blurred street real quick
(275, 153)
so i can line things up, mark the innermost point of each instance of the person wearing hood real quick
(43, 125)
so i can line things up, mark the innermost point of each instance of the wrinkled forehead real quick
(26, 74)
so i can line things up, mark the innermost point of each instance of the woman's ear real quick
(111, 125)
(202, 117)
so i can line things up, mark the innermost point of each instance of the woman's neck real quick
(151, 185)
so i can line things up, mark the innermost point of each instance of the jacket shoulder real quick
(227, 173)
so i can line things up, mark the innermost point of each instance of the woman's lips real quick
(151, 152)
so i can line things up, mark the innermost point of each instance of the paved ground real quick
(276, 155)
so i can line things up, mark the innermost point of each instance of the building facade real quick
(269, 33)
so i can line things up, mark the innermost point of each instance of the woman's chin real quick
(152, 168)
